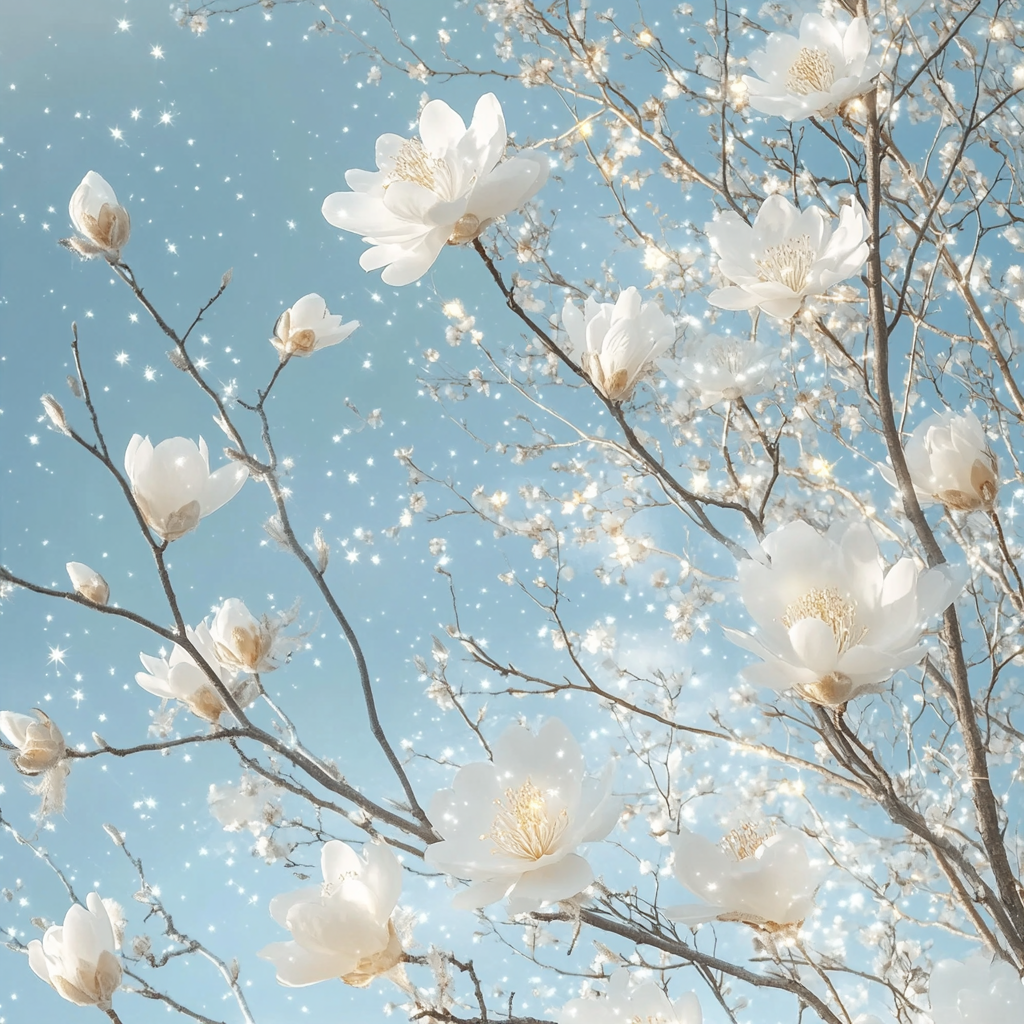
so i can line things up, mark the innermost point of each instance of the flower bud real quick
(55, 412)
(308, 326)
(103, 225)
(323, 550)
(88, 583)
(40, 743)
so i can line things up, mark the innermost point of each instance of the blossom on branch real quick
(253, 804)
(625, 1003)
(950, 461)
(102, 224)
(832, 623)
(78, 959)
(512, 825)
(760, 877)
(173, 486)
(976, 991)
(443, 188)
(725, 368)
(614, 342)
(307, 327)
(814, 74)
(343, 928)
(786, 255)
(88, 583)
(39, 743)
(247, 644)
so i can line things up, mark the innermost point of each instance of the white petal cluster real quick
(88, 583)
(102, 224)
(173, 486)
(814, 74)
(761, 878)
(832, 622)
(721, 368)
(180, 678)
(443, 188)
(975, 991)
(512, 825)
(253, 804)
(786, 255)
(613, 342)
(40, 744)
(341, 929)
(247, 644)
(78, 958)
(307, 327)
(624, 1003)
(950, 461)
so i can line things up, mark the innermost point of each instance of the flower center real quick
(523, 827)
(812, 71)
(415, 164)
(745, 841)
(788, 263)
(837, 613)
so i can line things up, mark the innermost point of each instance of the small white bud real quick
(88, 583)
(55, 412)
(323, 550)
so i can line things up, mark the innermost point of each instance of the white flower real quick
(173, 485)
(787, 255)
(511, 825)
(88, 583)
(341, 929)
(831, 622)
(253, 804)
(78, 959)
(102, 224)
(40, 744)
(180, 678)
(815, 74)
(307, 327)
(976, 991)
(443, 188)
(723, 368)
(763, 878)
(248, 644)
(950, 461)
(625, 1003)
(613, 343)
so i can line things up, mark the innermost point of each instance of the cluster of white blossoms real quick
(625, 1003)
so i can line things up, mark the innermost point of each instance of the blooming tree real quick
(781, 409)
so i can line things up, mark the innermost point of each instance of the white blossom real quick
(40, 744)
(721, 368)
(761, 877)
(614, 342)
(832, 623)
(625, 1003)
(102, 224)
(975, 991)
(173, 485)
(512, 825)
(443, 188)
(341, 929)
(307, 327)
(253, 804)
(78, 958)
(786, 255)
(814, 74)
(88, 583)
(247, 644)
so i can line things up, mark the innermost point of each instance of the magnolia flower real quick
(951, 462)
(761, 877)
(787, 255)
(40, 744)
(307, 327)
(511, 825)
(613, 343)
(247, 644)
(253, 804)
(180, 678)
(625, 1003)
(103, 226)
(78, 959)
(341, 929)
(443, 188)
(976, 991)
(726, 368)
(831, 622)
(815, 74)
(173, 486)
(88, 583)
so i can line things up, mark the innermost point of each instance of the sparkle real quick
(78, 696)
(157, 52)
(117, 134)
(133, 318)
(149, 373)
(57, 656)
(123, 25)
(166, 117)
(523, 826)
(136, 114)
(121, 358)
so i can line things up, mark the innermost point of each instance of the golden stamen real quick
(523, 826)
